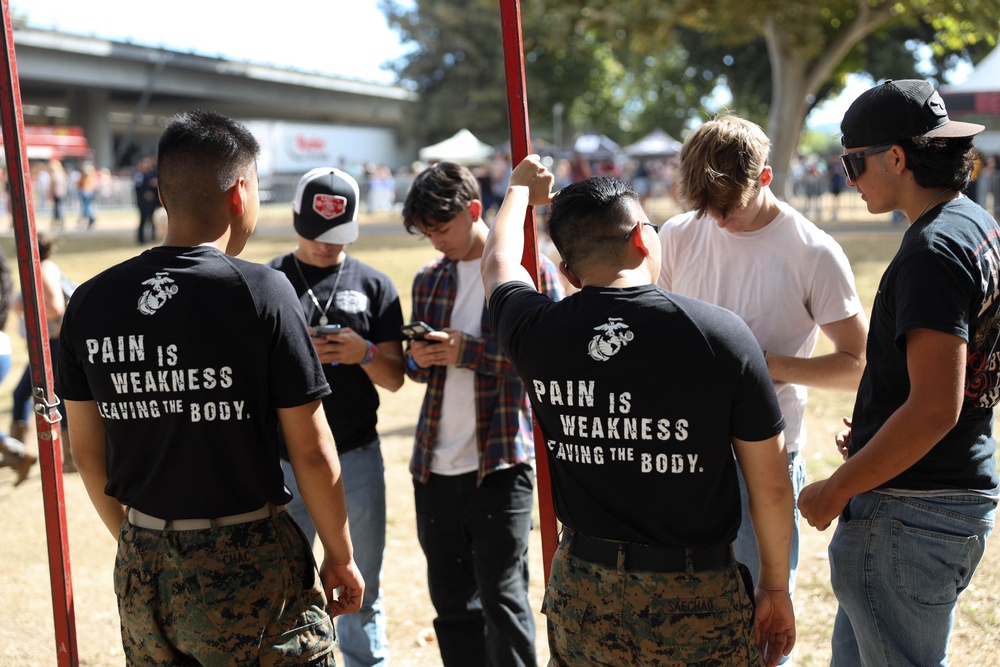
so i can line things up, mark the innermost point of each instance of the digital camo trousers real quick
(239, 595)
(599, 615)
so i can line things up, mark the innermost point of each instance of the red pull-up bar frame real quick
(46, 416)
(517, 116)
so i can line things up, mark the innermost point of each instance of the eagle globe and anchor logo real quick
(162, 287)
(614, 335)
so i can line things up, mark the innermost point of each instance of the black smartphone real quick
(416, 330)
(322, 330)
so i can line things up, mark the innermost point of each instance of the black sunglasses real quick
(854, 163)
(656, 228)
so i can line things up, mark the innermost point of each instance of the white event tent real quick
(462, 148)
(977, 99)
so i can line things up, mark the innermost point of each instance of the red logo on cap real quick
(329, 206)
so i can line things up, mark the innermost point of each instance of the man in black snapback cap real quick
(918, 491)
(897, 110)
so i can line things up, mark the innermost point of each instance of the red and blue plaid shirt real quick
(503, 417)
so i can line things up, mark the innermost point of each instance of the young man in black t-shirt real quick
(642, 397)
(178, 367)
(917, 494)
(364, 349)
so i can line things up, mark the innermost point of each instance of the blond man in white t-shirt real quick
(741, 248)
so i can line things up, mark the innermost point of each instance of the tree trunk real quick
(795, 77)
(786, 116)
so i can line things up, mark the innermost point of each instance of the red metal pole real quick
(46, 417)
(517, 116)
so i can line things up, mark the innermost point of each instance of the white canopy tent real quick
(985, 77)
(979, 97)
(596, 147)
(462, 148)
(655, 144)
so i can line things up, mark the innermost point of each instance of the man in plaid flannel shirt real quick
(473, 476)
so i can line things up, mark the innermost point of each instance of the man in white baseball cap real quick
(354, 315)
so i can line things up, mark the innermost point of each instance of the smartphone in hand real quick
(416, 330)
(324, 330)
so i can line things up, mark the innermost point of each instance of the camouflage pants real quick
(598, 615)
(239, 595)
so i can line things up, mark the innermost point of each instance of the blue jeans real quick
(362, 635)
(87, 208)
(14, 447)
(475, 539)
(897, 565)
(5, 362)
(745, 545)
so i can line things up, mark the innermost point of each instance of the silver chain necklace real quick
(323, 320)
(924, 209)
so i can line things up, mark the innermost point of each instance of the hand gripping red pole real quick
(46, 417)
(517, 116)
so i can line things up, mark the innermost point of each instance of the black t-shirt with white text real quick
(639, 393)
(188, 353)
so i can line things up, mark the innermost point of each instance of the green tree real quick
(809, 45)
(456, 66)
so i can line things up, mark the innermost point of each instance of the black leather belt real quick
(645, 558)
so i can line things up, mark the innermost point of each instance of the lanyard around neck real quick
(323, 320)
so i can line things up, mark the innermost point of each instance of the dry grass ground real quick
(26, 627)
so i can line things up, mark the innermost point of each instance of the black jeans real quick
(476, 543)
(146, 231)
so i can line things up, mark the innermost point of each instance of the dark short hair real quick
(938, 162)
(47, 244)
(590, 218)
(438, 194)
(202, 154)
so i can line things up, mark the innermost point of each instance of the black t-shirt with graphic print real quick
(944, 277)
(368, 303)
(639, 393)
(188, 353)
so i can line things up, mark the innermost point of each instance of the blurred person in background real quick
(836, 183)
(40, 189)
(87, 188)
(58, 189)
(56, 289)
(147, 199)
(4, 191)
(13, 452)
